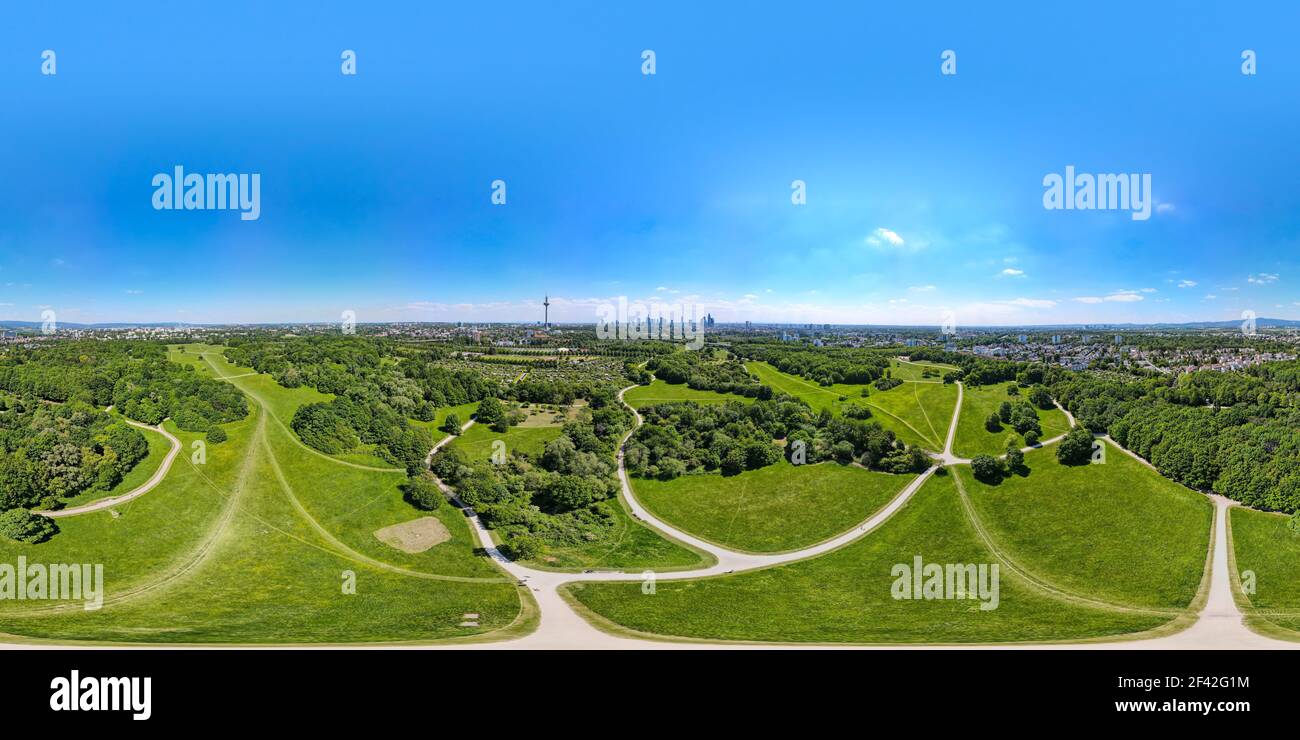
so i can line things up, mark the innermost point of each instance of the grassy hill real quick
(846, 596)
(773, 509)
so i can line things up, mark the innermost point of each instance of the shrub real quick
(451, 424)
(422, 493)
(885, 384)
(216, 435)
(843, 452)
(522, 547)
(1015, 458)
(986, 468)
(1040, 397)
(24, 526)
(1076, 448)
(855, 411)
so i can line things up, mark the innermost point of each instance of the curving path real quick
(147, 486)
(1219, 624)
(562, 627)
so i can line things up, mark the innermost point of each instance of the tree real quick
(1076, 448)
(216, 435)
(522, 547)
(490, 410)
(422, 493)
(986, 468)
(1040, 397)
(843, 452)
(733, 462)
(568, 492)
(993, 423)
(1015, 458)
(1031, 437)
(451, 424)
(24, 526)
(1004, 412)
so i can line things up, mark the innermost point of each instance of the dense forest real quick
(134, 377)
(552, 499)
(683, 438)
(49, 452)
(707, 371)
(1231, 433)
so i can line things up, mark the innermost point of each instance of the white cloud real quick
(1119, 296)
(1187, 283)
(1031, 302)
(133, 292)
(1013, 272)
(1210, 297)
(922, 288)
(1263, 278)
(1165, 208)
(1148, 290)
(883, 236)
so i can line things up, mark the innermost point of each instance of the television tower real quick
(546, 312)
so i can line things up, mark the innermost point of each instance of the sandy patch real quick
(414, 536)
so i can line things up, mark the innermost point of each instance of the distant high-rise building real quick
(1119, 339)
(1056, 339)
(1023, 338)
(546, 312)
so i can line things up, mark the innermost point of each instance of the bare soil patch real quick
(414, 536)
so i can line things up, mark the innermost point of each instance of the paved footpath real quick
(1219, 624)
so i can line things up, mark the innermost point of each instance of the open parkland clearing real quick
(265, 540)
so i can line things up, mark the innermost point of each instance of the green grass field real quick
(661, 392)
(773, 509)
(255, 545)
(463, 412)
(1118, 532)
(918, 413)
(476, 442)
(915, 370)
(845, 596)
(1267, 548)
(978, 402)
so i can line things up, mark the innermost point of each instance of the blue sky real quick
(924, 191)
